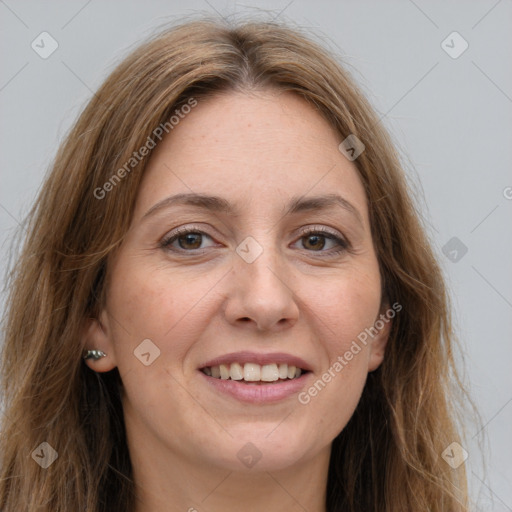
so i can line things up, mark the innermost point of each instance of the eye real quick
(188, 239)
(315, 241)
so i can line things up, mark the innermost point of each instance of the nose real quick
(261, 294)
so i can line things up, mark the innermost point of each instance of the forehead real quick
(259, 148)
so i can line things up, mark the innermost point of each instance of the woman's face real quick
(256, 287)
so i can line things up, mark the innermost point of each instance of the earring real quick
(93, 354)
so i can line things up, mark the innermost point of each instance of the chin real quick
(262, 448)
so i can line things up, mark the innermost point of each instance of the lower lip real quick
(258, 393)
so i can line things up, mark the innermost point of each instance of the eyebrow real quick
(298, 204)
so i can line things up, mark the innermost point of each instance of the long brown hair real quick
(387, 458)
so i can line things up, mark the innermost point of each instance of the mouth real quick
(256, 378)
(254, 373)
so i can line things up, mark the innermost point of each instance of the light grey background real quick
(452, 118)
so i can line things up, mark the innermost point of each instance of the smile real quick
(254, 372)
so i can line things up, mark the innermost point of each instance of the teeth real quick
(236, 372)
(253, 372)
(224, 371)
(269, 373)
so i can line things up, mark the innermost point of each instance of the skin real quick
(256, 150)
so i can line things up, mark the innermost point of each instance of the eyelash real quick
(344, 245)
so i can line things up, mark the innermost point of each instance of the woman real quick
(226, 298)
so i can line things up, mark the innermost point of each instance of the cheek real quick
(154, 301)
(331, 399)
(342, 311)
(332, 396)
(343, 307)
(151, 304)
(172, 311)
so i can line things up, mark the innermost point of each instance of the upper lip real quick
(259, 358)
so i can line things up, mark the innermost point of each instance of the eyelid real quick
(321, 229)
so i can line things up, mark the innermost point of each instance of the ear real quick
(95, 336)
(379, 341)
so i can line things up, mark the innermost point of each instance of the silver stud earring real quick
(93, 354)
